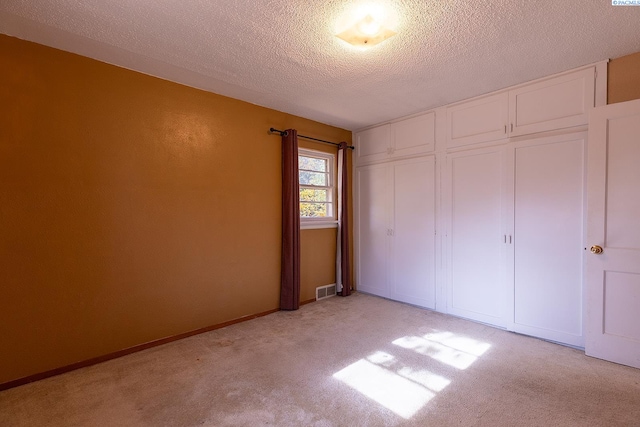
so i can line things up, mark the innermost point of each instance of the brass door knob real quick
(595, 249)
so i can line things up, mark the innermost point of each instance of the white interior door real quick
(372, 191)
(613, 224)
(413, 237)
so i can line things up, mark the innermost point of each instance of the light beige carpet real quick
(356, 361)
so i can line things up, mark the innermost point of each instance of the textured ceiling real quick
(283, 54)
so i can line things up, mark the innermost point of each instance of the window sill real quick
(312, 225)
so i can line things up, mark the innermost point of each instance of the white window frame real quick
(325, 222)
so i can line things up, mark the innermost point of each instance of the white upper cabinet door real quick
(480, 120)
(372, 229)
(548, 237)
(413, 136)
(555, 103)
(476, 238)
(413, 237)
(404, 138)
(373, 144)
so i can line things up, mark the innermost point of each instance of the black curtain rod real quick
(284, 133)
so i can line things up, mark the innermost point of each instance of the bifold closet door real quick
(372, 229)
(476, 188)
(548, 239)
(413, 232)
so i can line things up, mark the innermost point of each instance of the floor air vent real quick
(327, 291)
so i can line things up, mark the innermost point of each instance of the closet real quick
(498, 198)
(395, 212)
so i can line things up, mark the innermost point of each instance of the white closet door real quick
(413, 237)
(476, 233)
(548, 237)
(372, 188)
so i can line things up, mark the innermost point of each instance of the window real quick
(317, 188)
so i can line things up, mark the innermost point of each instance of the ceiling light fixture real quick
(366, 32)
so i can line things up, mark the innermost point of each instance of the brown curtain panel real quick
(343, 264)
(290, 270)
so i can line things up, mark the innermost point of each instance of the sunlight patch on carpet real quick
(398, 394)
(403, 389)
(446, 347)
(425, 378)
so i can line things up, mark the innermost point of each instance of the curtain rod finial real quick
(282, 133)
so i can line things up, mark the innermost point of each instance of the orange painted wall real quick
(624, 79)
(133, 208)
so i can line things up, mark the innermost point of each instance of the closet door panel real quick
(372, 229)
(413, 239)
(414, 136)
(554, 103)
(479, 120)
(548, 245)
(373, 144)
(476, 287)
